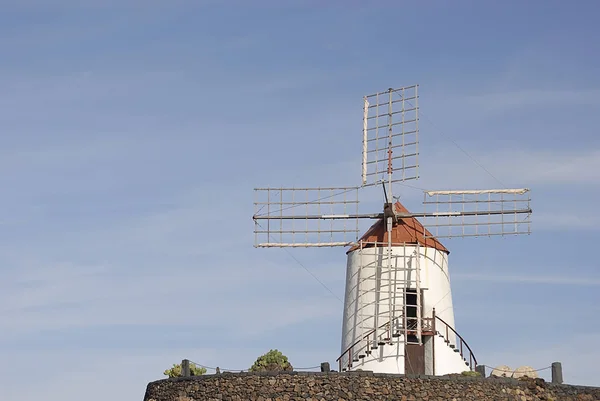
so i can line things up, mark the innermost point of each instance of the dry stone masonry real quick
(359, 386)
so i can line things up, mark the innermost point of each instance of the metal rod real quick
(397, 146)
(399, 215)
(479, 234)
(306, 235)
(395, 90)
(395, 292)
(418, 285)
(377, 105)
(463, 217)
(365, 140)
(357, 225)
(377, 133)
(374, 106)
(390, 137)
(403, 110)
(435, 332)
(345, 221)
(360, 299)
(466, 213)
(403, 138)
(501, 201)
(389, 269)
(396, 180)
(390, 125)
(299, 203)
(518, 191)
(323, 216)
(255, 223)
(417, 125)
(318, 221)
(404, 156)
(303, 245)
(304, 189)
(268, 209)
(377, 302)
(350, 230)
(493, 223)
(476, 209)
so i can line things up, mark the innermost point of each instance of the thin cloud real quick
(550, 280)
(516, 168)
(67, 297)
(582, 220)
(90, 369)
(579, 363)
(504, 101)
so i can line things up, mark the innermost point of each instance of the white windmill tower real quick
(398, 313)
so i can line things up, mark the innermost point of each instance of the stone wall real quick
(356, 386)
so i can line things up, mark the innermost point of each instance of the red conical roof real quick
(407, 231)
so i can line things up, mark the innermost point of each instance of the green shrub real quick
(175, 371)
(272, 361)
(471, 373)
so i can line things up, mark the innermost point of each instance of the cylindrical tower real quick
(388, 322)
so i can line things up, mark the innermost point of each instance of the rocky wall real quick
(356, 386)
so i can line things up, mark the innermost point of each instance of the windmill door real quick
(414, 359)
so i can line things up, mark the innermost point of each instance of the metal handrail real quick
(358, 341)
(472, 357)
(365, 337)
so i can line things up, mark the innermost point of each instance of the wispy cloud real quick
(100, 4)
(551, 167)
(514, 167)
(583, 219)
(578, 362)
(90, 368)
(538, 279)
(78, 296)
(522, 99)
(143, 365)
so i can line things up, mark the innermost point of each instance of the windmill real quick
(398, 312)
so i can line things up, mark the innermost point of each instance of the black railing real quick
(461, 343)
(428, 325)
(386, 335)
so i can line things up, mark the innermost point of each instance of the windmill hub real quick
(388, 211)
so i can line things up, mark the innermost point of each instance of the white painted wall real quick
(446, 359)
(385, 359)
(428, 344)
(366, 272)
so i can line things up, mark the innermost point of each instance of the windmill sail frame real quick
(390, 136)
(320, 217)
(477, 213)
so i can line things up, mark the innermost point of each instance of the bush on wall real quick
(272, 361)
(175, 371)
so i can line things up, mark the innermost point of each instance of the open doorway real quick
(410, 300)
(414, 356)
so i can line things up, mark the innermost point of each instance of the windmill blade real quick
(390, 136)
(476, 213)
(306, 217)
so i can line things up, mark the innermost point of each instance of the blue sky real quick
(134, 132)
